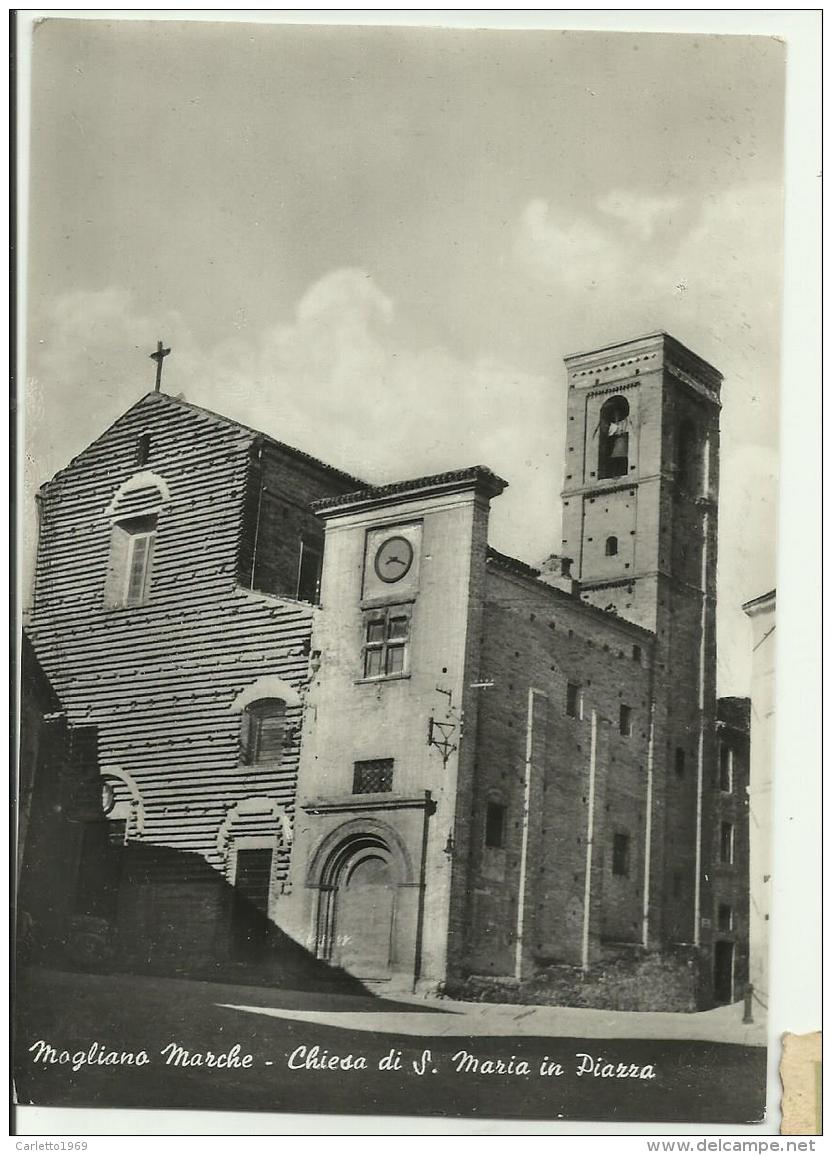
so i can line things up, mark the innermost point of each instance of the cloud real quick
(573, 252)
(335, 379)
(710, 273)
(640, 214)
(338, 379)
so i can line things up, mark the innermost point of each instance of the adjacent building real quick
(421, 758)
(761, 612)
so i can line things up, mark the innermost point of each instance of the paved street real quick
(703, 1079)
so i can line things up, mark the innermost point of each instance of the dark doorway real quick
(724, 972)
(252, 881)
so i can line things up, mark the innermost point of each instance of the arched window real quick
(688, 457)
(614, 438)
(262, 732)
(611, 546)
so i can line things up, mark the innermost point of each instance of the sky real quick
(378, 244)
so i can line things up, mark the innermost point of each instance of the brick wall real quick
(278, 519)
(538, 637)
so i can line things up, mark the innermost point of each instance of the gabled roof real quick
(258, 433)
(155, 399)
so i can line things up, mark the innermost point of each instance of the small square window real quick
(625, 720)
(572, 692)
(395, 660)
(621, 855)
(373, 776)
(495, 825)
(375, 632)
(398, 627)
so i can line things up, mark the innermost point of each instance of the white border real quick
(795, 962)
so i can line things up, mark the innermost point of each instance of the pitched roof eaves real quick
(510, 566)
(473, 473)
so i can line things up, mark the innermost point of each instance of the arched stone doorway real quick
(358, 904)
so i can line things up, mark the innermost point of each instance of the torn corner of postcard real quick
(800, 1074)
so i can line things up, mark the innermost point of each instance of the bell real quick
(618, 448)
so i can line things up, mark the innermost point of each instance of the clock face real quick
(393, 559)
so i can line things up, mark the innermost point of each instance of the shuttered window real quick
(138, 568)
(262, 732)
(130, 563)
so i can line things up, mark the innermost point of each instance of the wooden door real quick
(364, 913)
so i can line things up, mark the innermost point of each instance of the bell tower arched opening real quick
(614, 438)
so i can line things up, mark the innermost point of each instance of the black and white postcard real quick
(398, 551)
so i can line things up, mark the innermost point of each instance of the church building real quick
(420, 758)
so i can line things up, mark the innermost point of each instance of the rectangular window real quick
(621, 855)
(309, 573)
(726, 768)
(726, 843)
(495, 825)
(678, 884)
(572, 692)
(680, 762)
(386, 641)
(373, 776)
(625, 720)
(725, 917)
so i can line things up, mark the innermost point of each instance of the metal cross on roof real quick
(159, 357)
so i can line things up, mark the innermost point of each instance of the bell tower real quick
(640, 492)
(641, 475)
